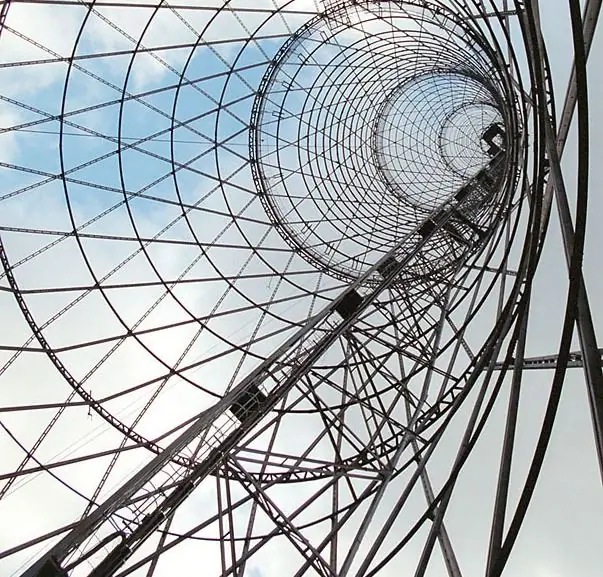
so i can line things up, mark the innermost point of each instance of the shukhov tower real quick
(300, 288)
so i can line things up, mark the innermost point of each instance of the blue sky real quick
(561, 535)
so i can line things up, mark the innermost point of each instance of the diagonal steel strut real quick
(283, 369)
(591, 356)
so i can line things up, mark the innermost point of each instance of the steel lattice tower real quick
(268, 270)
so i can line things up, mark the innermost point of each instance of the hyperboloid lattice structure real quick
(269, 289)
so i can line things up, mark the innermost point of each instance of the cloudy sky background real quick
(562, 533)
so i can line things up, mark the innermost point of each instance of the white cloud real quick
(44, 503)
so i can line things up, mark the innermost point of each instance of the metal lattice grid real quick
(267, 270)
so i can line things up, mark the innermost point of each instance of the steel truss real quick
(367, 283)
